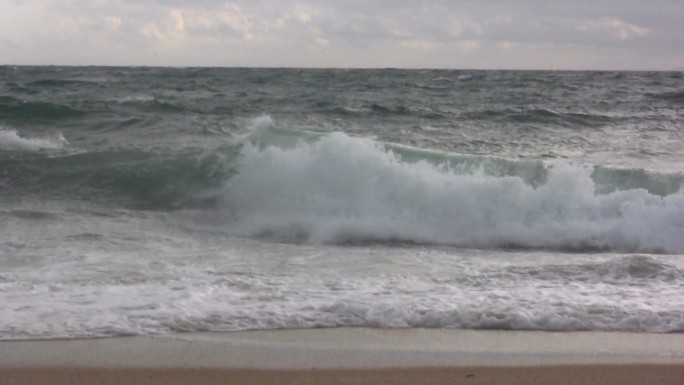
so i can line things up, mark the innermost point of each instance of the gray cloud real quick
(620, 34)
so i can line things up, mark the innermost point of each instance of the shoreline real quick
(350, 355)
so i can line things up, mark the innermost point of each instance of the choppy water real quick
(152, 200)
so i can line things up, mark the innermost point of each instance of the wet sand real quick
(350, 356)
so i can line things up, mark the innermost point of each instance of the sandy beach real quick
(350, 356)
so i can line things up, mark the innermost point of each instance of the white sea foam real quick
(66, 274)
(531, 298)
(10, 140)
(346, 189)
(134, 98)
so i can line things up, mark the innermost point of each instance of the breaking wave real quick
(10, 140)
(334, 188)
(342, 189)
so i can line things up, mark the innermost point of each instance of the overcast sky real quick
(524, 34)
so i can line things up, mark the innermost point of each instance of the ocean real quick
(141, 201)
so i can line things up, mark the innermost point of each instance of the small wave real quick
(674, 96)
(467, 77)
(17, 109)
(65, 82)
(630, 270)
(29, 214)
(135, 99)
(381, 109)
(151, 103)
(541, 116)
(387, 110)
(135, 178)
(11, 141)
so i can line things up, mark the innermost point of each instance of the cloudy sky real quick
(522, 34)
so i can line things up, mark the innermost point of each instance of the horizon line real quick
(342, 68)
